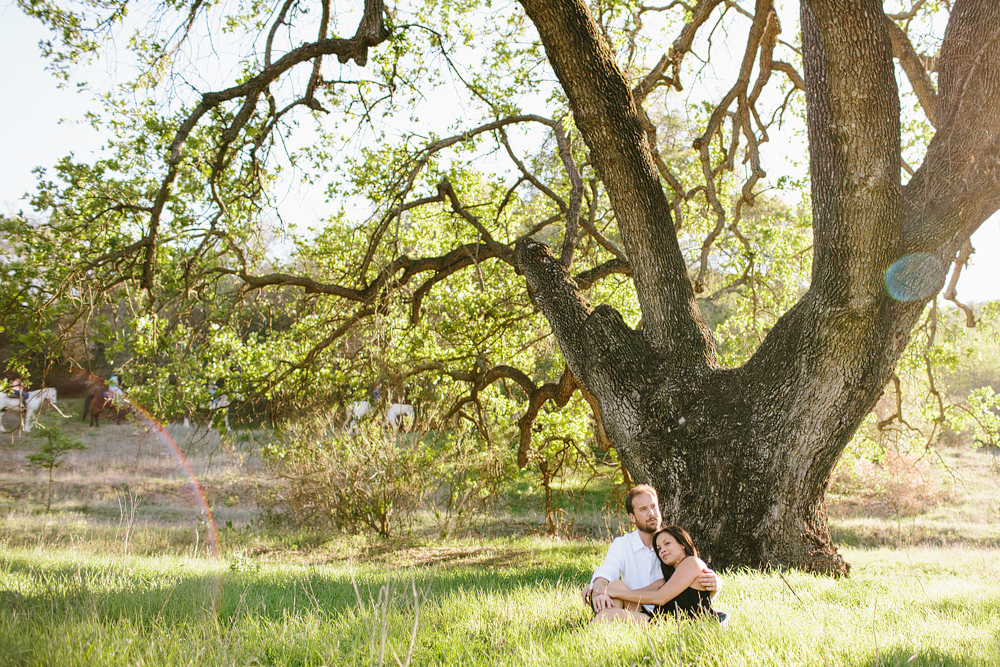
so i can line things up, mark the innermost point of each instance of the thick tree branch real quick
(605, 112)
(854, 143)
(789, 71)
(612, 267)
(958, 185)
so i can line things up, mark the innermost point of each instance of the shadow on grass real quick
(905, 533)
(112, 593)
(924, 658)
(398, 553)
(277, 614)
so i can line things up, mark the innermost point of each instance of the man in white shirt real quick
(631, 557)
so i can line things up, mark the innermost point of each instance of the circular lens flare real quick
(915, 277)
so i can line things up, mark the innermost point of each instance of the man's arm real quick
(611, 569)
(599, 598)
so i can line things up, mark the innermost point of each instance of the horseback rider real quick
(114, 388)
(18, 391)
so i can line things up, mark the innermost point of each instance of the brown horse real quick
(97, 403)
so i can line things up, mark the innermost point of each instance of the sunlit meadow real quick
(121, 573)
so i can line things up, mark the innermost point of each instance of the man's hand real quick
(710, 580)
(601, 601)
(596, 595)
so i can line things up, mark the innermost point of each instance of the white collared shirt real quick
(631, 561)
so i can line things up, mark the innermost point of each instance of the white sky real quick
(42, 123)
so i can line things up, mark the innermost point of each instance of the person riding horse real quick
(18, 391)
(114, 388)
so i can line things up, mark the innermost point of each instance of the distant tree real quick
(573, 184)
(51, 453)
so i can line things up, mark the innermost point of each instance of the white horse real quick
(356, 412)
(216, 402)
(32, 404)
(397, 413)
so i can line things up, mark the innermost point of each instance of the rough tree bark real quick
(742, 457)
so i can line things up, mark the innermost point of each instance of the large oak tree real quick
(741, 456)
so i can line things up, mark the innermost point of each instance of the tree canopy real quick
(489, 171)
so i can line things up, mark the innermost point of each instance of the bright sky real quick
(43, 123)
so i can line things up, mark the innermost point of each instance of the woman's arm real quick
(685, 575)
(621, 587)
(652, 587)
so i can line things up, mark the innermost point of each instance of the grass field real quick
(119, 574)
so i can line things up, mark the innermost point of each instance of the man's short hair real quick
(635, 491)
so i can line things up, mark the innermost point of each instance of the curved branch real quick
(421, 160)
(371, 32)
(606, 114)
(558, 394)
(951, 291)
(408, 266)
(575, 197)
(762, 37)
(919, 79)
(612, 267)
(789, 71)
(700, 13)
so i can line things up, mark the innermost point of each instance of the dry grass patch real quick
(949, 497)
(127, 470)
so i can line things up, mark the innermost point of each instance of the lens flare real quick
(145, 418)
(155, 427)
(915, 277)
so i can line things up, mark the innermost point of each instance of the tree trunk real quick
(742, 457)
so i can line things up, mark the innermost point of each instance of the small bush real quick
(51, 453)
(377, 480)
(900, 484)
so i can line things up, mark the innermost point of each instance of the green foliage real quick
(50, 453)
(758, 277)
(378, 481)
(944, 393)
(983, 410)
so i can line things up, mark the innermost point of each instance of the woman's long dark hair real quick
(683, 538)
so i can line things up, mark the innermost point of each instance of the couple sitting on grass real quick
(652, 571)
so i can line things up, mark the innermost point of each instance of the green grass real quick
(493, 602)
(93, 584)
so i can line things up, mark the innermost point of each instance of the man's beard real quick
(651, 526)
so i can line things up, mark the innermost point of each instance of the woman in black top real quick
(679, 590)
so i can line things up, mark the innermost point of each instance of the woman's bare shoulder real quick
(691, 568)
(692, 562)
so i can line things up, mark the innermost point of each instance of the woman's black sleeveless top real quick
(691, 602)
